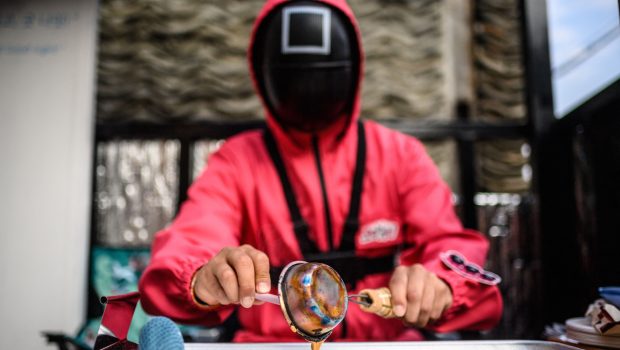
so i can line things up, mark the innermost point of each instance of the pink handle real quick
(268, 298)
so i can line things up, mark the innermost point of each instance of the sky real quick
(573, 26)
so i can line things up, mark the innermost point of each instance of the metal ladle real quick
(313, 298)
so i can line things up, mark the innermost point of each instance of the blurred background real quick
(110, 109)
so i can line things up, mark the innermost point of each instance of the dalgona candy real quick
(313, 298)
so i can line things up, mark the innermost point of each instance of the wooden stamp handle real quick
(381, 302)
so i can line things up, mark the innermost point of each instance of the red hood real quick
(298, 138)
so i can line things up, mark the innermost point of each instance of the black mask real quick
(306, 61)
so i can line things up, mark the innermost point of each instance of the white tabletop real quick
(418, 345)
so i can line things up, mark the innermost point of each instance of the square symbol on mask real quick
(306, 29)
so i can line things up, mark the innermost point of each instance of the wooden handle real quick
(381, 302)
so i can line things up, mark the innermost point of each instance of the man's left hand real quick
(419, 297)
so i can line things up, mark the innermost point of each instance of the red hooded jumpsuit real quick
(406, 211)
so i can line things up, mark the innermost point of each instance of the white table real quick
(419, 345)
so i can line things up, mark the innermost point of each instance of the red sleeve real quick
(208, 221)
(432, 227)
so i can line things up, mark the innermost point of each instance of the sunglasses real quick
(456, 262)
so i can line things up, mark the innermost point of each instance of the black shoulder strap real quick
(351, 224)
(350, 266)
(300, 226)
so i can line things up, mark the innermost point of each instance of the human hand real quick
(233, 276)
(418, 295)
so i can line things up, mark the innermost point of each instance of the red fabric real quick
(239, 200)
(118, 313)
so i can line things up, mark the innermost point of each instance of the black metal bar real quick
(546, 153)
(537, 64)
(190, 130)
(428, 130)
(185, 171)
(459, 129)
(467, 169)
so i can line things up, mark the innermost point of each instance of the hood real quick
(337, 128)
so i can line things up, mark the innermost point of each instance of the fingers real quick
(398, 287)
(227, 279)
(416, 287)
(233, 276)
(208, 289)
(261, 270)
(418, 295)
(439, 306)
(244, 279)
(427, 302)
(443, 300)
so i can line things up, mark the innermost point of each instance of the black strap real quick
(343, 260)
(300, 226)
(352, 222)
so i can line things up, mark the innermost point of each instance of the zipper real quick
(328, 218)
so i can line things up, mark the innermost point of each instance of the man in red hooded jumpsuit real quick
(319, 185)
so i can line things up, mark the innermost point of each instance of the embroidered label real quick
(380, 231)
(459, 264)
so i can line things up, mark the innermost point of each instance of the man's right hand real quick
(233, 276)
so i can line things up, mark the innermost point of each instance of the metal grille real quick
(201, 151)
(136, 190)
(505, 218)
